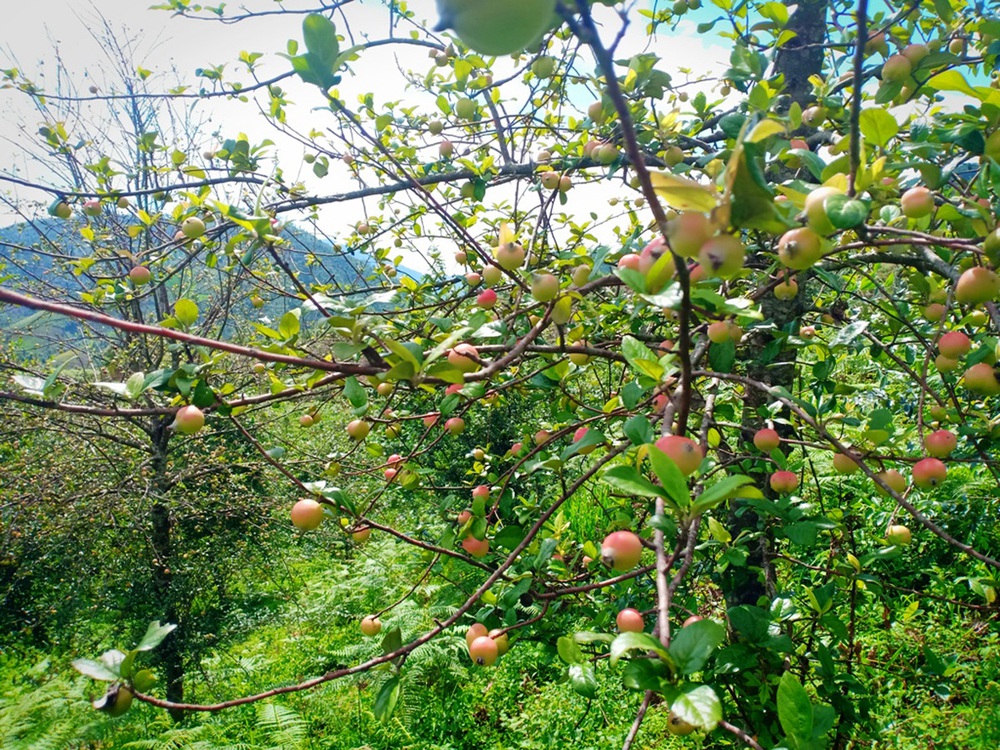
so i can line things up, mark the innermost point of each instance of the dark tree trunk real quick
(802, 57)
(170, 652)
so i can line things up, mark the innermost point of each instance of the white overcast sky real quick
(34, 31)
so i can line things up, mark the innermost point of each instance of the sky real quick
(39, 32)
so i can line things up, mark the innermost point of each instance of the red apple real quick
(929, 472)
(629, 621)
(684, 452)
(784, 481)
(940, 443)
(621, 550)
(766, 439)
(307, 514)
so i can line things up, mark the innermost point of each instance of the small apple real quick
(550, 180)
(307, 514)
(678, 726)
(784, 481)
(306, 420)
(766, 439)
(934, 312)
(630, 621)
(117, 701)
(497, 28)
(898, 535)
(360, 536)
(896, 68)
(92, 207)
(473, 279)
(621, 550)
(596, 113)
(954, 344)
(683, 451)
(487, 299)
(476, 630)
(140, 275)
(722, 256)
(484, 651)
(982, 380)
(630, 260)
(446, 149)
(492, 274)
(455, 425)
(476, 547)
(844, 464)
(688, 232)
(510, 256)
(544, 287)
(977, 285)
(929, 472)
(370, 626)
(917, 203)
(465, 109)
(800, 248)
(188, 420)
(940, 444)
(481, 492)
(464, 357)
(358, 429)
(430, 420)
(193, 227)
(500, 638)
(895, 481)
(580, 434)
(786, 290)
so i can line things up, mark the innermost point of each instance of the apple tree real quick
(749, 317)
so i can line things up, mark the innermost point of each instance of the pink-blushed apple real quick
(621, 550)
(307, 514)
(629, 620)
(766, 439)
(683, 451)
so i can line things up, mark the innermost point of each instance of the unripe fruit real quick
(945, 364)
(122, 702)
(766, 439)
(476, 630)
(954, 344)
(678, 726)
(898, 535)
(722, 256)
(358, 429)
(565, 183)
(544, 66)
(484, 651)
(463, 357)
(492, 274)
(580, 358)
(550, 180)
(816, 210)
(500, 638)
(844, 464)
(688, 232)
(140, 275)
(446, 149)
(466, 109)
(940, 443)
(786, 290)
(629, 621)
(510, 256)
(370, 626)
(384, 389)
(306, 420)
(894, 479)
(486, 299)
(650, 257)
(307, 514)
(436, 127)
(481, 492)
(476, 547)
(606, 154)
(188, 420)
(813, 116)
(934, 312)
(361, 535)
(977, 285)
(92, 208)
(784, 481)
(673, 156)
(542, 437)
(473, 279)
(800, 248)
(193, 227)
(929, 472)
(719, 332)
(544, 287)
(596, 112)
(896, 68)
(455, 425)
(430, 420)
(684, 452)
(62, 210)
(621, 550)
(982, 380)
(562, 311)
(917, 202)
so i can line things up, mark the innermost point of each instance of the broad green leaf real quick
(320, 36)
(627, 642)
(878, 126)
(631, 482)
(583, 680)
(682, 193)
(134, 386)
(289, 324)
(388, 696)
(692, 646)
(185, 311)
(698, 705)
(794, 709)
(355, 393)
(569, 651)
(95, 670)
(155, 634)
(844, 212)
(765, 128)
(718, 492)
(671, 479)
(392, 641)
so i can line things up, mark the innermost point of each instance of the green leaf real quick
(673, 481)
(626, 642)
(388, 696)
(694, 644)
(718, 492)
(95, 670)
(638, 430)
(569, 651)
(155, 634)
(878, 126)
(848, 333)
(641, 359)
(631, 482)
(135, 385)
(185, 311)
(392, 641)
(355, 393)
(583, 680)
(698, 705)
(794, 709)
(289, 324)
(320, 36)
